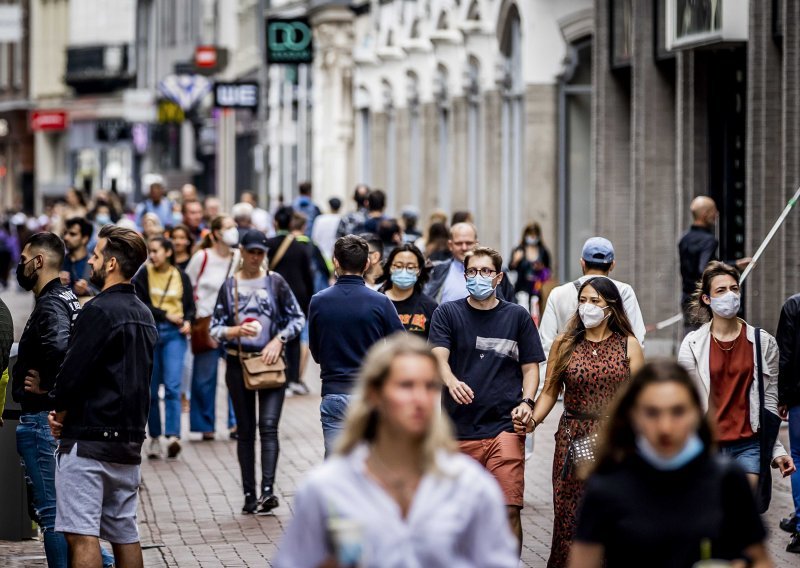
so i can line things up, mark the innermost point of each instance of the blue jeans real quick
(746, 453)
(167, 370)
(794, 444)
(202, 412)
(36, 446)
(332, 411)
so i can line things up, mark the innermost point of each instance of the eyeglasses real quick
(410, 267)
(485, 272)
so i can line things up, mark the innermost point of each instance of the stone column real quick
(333, 117)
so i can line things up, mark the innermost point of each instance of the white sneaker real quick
(173, 447)
(154, 451)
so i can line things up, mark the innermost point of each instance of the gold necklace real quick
(720, 344)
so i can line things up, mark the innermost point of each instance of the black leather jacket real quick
(433, 288)
(43, 344)
(104, 384)
(788, 338)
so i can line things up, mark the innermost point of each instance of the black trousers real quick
(270, 404)
(292, 350)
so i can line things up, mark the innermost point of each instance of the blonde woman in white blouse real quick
(397, 492)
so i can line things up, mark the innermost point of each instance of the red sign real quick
(52, 120)
(205, 56)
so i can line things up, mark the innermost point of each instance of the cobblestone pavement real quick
(189, 512)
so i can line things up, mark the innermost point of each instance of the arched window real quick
(474, 162)
(443, 136)
(364, 135)
(512, 128)
(415, 137)
(390, 145)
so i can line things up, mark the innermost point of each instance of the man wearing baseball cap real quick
(597, 259)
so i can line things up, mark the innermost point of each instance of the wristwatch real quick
(282, 338)
(528, 401)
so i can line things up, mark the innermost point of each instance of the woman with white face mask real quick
(657, 469)
(208, 269)
(722, 358)
(590, 361)
(404, 276)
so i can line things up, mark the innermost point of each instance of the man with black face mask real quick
(41, 351)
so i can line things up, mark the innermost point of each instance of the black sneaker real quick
(267, 502)
(789, 524)
(250, 504)
(794, 544)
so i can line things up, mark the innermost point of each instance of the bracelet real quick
(535, 424)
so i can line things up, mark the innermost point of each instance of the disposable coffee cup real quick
(347, 538)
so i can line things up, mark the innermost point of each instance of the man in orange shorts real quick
(490, 352)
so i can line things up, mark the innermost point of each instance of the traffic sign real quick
(48, 120)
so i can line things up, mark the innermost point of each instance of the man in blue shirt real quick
(156, 203)
(344, 321)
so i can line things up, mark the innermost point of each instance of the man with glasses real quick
(490, 354)
(447, 278)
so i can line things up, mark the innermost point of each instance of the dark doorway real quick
(727, 119)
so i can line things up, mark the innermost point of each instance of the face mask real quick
(103, 219)
(231, 237)
(98, 278)
(27, 282)
(531, 241)
(404, 279)
(480, 287)
(591, 315)
(692, 449)
(177, 218)
(727, 305)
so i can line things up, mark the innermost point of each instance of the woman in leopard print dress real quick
(590, 361)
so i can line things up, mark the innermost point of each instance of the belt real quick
(245, 354)
(572, 415)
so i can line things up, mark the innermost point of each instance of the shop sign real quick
(236, 95)
(113, 130)
(205, 56)
(170, 113)
(48, 120)
(289, 41)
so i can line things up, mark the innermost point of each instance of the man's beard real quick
(98, 278)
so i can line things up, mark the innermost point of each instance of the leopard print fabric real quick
(590, 383)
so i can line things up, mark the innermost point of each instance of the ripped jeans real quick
(36, 448)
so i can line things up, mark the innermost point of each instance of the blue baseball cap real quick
(598, 249)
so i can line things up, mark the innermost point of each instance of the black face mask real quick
(27, 282)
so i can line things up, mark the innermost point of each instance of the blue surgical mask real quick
(480, 287)
(404, 279)
(692, 449)
(103, 219)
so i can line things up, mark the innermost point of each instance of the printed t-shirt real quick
(415, 313)
(487, 351)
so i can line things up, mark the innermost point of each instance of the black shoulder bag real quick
(769, 425)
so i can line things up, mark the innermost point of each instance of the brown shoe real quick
(208, 436)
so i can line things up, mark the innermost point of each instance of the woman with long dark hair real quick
(181, 238)
(530, 259)
(404, 276)
(659, 496)
(590, 361)
(722, 358)
(167, 291)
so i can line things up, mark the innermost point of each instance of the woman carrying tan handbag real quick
(256, 315)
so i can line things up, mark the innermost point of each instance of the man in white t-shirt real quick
(597, 259)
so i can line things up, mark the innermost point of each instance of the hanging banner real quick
(289, 41)
(185, 90)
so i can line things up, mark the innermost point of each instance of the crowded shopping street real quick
(400, 283)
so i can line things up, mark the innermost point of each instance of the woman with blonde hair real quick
(397, 479)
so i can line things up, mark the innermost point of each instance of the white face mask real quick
(231, 237)
(591, 315)
(727, 305)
